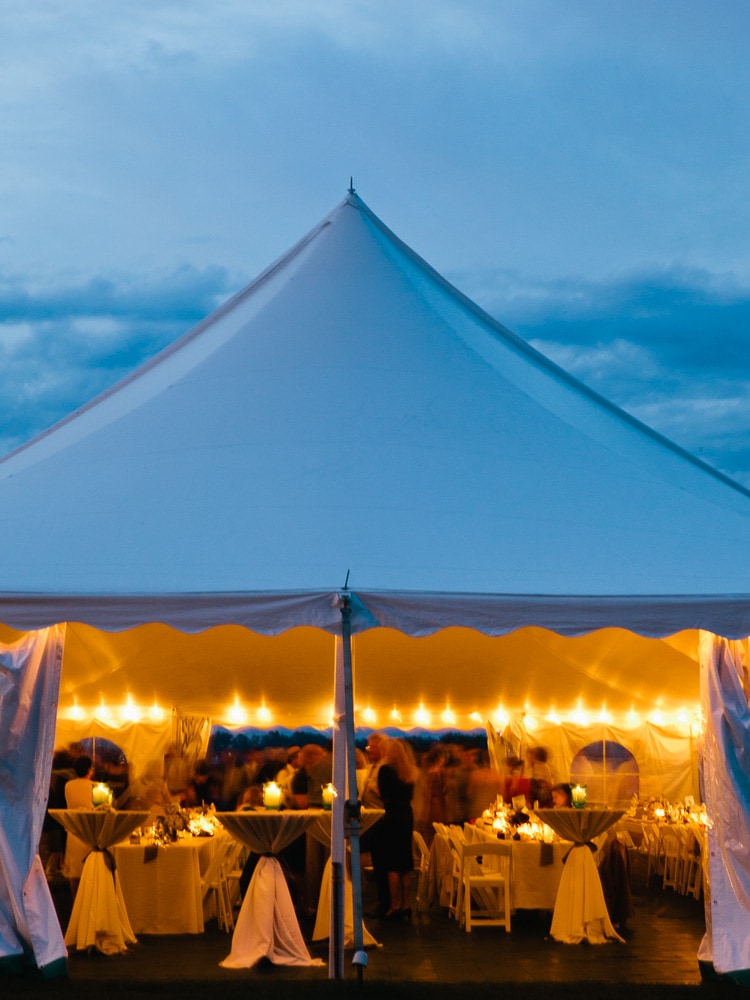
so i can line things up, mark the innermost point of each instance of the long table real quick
(162, 885)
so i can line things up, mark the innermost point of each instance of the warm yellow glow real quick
(501, 718)
(236, 714)
(422, 716)
(476, 717)
(580, 717)
(657, 717)
(103, 712)
(449, 716)
(75, 711)
(156, 712)
(129, 710)
(530, 722)
(632, 719)
(264, 714)
(395, 715)
(554, 718)
(605, 717)
(369, 716)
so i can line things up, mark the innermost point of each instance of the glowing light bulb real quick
(130, 711)
(236, 713)
(369, 716)
(554, 718)
(264, 714)
(632, 718)
(449, 716)
(75, 711)
(657, 717)
(156, 712)
(476, 717)
(501, 717)
(396, 715)
(422, 716)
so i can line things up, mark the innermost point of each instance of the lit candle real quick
(329, 794)
(101, 794)
(578, 794)
(271, 795)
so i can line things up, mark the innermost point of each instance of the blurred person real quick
(562, 796)
(540, 773)
(483, 787)
(372, 841)
(434, 779)
(397, 777)
(79, 794)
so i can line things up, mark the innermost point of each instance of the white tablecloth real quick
(99, 918)
(533, 884)
(321, 931)
(580, 910)
(162, 885)
(267, 925)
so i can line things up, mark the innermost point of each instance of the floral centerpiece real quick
(172, 823)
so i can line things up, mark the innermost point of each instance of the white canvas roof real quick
(351, 412)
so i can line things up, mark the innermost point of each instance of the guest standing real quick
(396, 780)
(79, 794)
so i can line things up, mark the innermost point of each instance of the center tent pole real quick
(345, 819)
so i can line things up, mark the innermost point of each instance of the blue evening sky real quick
(578, 167)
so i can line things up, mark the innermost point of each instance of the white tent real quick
(350, 415)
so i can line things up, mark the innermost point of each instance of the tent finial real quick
(346, 581)
(351, 186)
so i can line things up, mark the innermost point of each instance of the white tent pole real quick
(338, 845)
(353, 805)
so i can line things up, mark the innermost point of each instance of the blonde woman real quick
(396, 779)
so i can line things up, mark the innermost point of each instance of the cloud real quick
(62, 345)
(669, 345)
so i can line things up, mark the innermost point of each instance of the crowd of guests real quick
(449, 783)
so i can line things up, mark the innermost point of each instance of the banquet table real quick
(99, 918)
(535, 871)
(580, 912)
(161, 884)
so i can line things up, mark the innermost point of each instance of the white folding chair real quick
(422, 867)
(214, 882)
(671, 857)
(485, 886)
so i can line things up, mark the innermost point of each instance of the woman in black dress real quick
(396, 779)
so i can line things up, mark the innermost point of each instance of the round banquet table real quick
(580, 912)
(99, 918)
(267, 926)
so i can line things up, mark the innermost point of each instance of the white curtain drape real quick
(29, 684)
(726, 775)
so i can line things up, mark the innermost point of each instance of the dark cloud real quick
(669, 345)
(62, 344)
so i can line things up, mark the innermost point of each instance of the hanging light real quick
(369, 716)
(422, 716)
(396, 715)
(129, 711)
(264, 714)
(237, 715)
(156, 712)
(449, 716)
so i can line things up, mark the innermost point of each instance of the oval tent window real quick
(110, 763)
(610, 772)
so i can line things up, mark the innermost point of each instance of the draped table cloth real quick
(161, 885)
(322, 832)
(535, 871)
(99, 918)
(580, 912)
(267, 926)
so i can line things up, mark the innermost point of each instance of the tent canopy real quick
(350, 411)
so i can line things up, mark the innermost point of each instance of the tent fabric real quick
(350, 415)
(726, 764)
(349, 411)
(29, 679)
